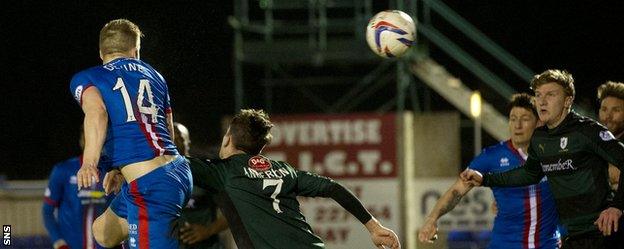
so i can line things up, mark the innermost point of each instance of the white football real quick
(390, 33)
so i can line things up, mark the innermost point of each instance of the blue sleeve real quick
(481, 163)
(52, 199)
(167, 103)
(105, 165)
(78, 85)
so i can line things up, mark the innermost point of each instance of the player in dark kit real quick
(201, 223)
(573, 152)
(611, 115)
(258, 195)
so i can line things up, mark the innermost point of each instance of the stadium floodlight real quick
(475, 111)
(475, 104)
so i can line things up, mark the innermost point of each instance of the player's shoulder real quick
(593, 129)
(496, 149)
(203, 161)
(282, 164)
(586, 124)
(87, 74)
(151, 69)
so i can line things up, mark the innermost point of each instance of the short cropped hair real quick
(119, 36)
(561, 77)
(251, 130)
(523, 100)
(611, 89)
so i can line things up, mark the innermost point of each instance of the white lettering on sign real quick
(331, 132)
(337, 163)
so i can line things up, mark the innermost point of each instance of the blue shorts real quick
(152, 204)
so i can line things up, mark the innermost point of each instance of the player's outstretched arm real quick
(95, 125)
(381, 236)
(446, 203)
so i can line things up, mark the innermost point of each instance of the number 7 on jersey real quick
(278, 187)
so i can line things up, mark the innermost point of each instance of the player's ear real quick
(569, 100)
(227, 139)
(101, 55)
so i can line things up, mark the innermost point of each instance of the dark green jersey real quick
(258, 197)
(574, 156)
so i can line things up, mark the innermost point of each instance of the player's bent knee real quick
(98, 232)
(107, 231)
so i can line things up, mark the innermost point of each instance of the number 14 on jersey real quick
(144, 87)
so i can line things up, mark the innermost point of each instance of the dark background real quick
(43, 43)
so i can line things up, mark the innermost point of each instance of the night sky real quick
(45, 42)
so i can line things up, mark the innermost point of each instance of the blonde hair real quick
(561, 77)
(119, 36)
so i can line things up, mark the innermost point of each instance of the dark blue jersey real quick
(137, 101)
(76, 210)
(526, 216)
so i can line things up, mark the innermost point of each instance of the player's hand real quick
(60, 244)
(471, 177)
(429, 231)
(113, 181)
(382, 237)
(87, 175)
(193, 233)
(607, 222)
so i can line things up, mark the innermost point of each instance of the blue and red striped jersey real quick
(526, 216)
(137, 101)
(75, 210)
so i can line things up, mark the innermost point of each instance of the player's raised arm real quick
(446, 203)
(95, 125)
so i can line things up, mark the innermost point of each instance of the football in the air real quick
(390, 33)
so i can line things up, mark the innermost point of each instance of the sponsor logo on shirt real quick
(558, 166)
(78, 93)
(504, 162)
(606, 136)
(563, 143)
(259, 163)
